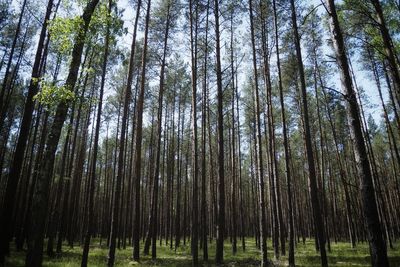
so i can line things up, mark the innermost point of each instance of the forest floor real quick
(341, 255)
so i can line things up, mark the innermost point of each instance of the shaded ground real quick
(341, 255)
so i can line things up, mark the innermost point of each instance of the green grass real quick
(341, 255)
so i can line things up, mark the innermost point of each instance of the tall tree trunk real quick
(120, 166)
(241, 185)
(204, 216)
(389, 47)
(275, 187)
(6, 80)
(258, 148)
(389, 128)
(64, 207)
(180, 171)
(40, 201)
(233, 153)
(285, 145)
(139, 133)
(19, 238)
(375, 235)
(195, 200)
(219, 255)
(317, 216)
(92, 174)
(16, 165)
(152, 232)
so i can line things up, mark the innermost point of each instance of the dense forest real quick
(199, 132)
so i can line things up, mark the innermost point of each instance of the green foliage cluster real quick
(50, 95)
(101, 19)
(63, 32)
(363, 26)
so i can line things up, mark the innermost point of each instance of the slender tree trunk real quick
(285, 145)
(120, 166)
(139, 132)
(258, 148)
(19, 238)
(241, 185)
(219, 255)
(317, 216)
(52, 224)
(278, 236)
(388, 46)
(390, 132)
(193, 17)
(152, 232)
(375, 235)
(92, 173)
(6, 80)
(179, 182)
(40, 201)
(16, 165)
(204, 144)
(233, 153)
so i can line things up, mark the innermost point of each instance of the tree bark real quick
(139, 133)
(92, 174)
(6, 80)
(375, 235)
(152, 232)
(193, 17)
(16, 165)
(285, 145)
(219, 255)
(317, 216)
(258, 148)
(204, 144)
(389, 47)
(40, 201)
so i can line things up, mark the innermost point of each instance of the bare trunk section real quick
(219, 256)
(316, 209)
(16, 165)
(285, 145)
(258, 148)
(375, 234)
(138, 142)
(92, 173)
(41, 196)
(193, 17)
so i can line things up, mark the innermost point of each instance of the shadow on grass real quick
(306, 255)
(333, 260)
(170, 262)
(358, 260)
(394, 261)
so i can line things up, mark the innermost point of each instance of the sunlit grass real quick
(341, 255)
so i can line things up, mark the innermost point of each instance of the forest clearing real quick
(199, 133)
